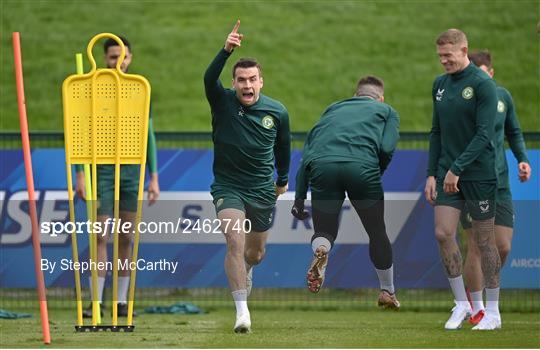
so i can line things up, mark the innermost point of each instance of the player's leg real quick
(504, 223)
(503, 238)
(447, 212)
(129, 188)
(231, 213)
(105, 205)
(327, 196)
(124, 254)
(446, 220)
(472, 270)
(254, 251)
(259, 206)
(365, 191)
(481, 203)
(234, 264)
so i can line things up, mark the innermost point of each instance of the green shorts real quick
(504, 213)
(478, 196)
(129, 188)
(329, 181)
(258, 205)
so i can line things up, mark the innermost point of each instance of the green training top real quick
(506, 123)
(356, 129)
(462, 136)
(248, 140)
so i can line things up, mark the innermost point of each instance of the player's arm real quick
(486, 110)
(390, 138)
(434, 139)
(212, 85)
(515, 138)
(151, 162)
(434, 153)
(282, 150)
(302, 181)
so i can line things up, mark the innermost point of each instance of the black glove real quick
(298, 210)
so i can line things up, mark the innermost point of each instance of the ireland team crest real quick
(467, 93)
(268, 122)
(501, 107)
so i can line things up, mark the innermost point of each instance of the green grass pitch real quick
(281, 329)
(312, 52)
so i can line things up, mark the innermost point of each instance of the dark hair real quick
(246, 63)
(482, 57)
(370, 86)
(111, 42)
(452, 36)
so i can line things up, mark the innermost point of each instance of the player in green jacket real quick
(347, 151)
(462, 171)
(251, 139)
(506, 124)
(129, 189)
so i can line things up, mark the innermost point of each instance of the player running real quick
(462, 171)
(506, 124)
(347, 151)
(250, 133)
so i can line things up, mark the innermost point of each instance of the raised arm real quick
(212, 85)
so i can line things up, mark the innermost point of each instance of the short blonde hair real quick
(452, 36)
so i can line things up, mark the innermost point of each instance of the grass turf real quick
(312, 52)
(281, 329)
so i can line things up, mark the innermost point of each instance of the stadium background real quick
(312, 54)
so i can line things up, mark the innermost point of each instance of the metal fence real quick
(203, 139)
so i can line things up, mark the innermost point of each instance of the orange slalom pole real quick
(30, 185)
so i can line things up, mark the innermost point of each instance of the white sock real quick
(248, 267)
(477, 301)
(386, 279)
(100, 286)
(123, 286)
(320, 241)
(458, 288)
(240, 300)
(492, 300)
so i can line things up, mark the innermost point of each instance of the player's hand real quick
(234, 39)
(153, 189)
(430, 192)
(450, 183)
(524, 171)
(298, 210)
(80, 188)
(281, 189)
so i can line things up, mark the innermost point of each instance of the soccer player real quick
(347, 151)
(251, 139)
(462, 170)
(506, 124)
(129, 188)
